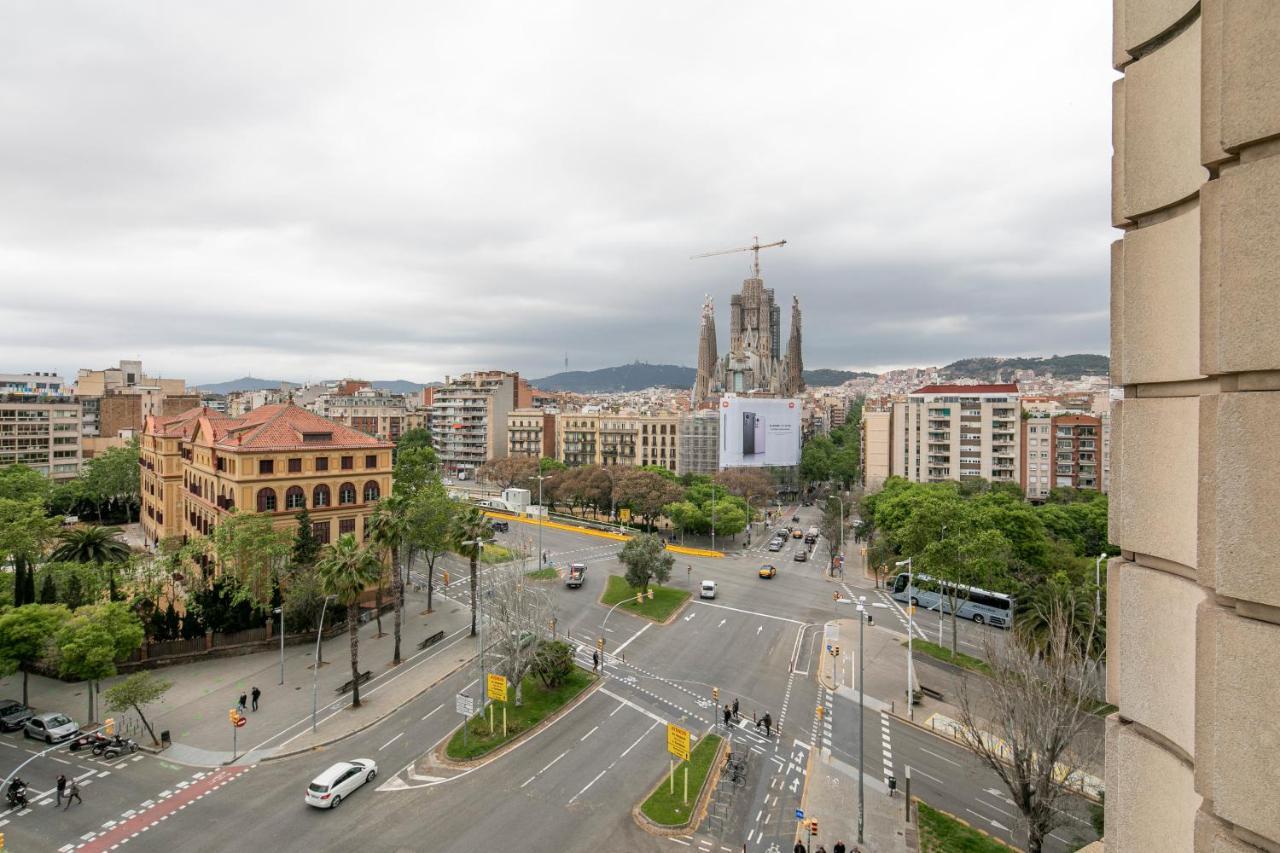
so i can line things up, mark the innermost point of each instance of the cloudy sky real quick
(403, 190)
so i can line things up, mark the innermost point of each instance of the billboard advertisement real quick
(758, 433)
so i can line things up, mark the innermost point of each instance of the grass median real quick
(539, 703)
(941, 833)
(546, 573)
(665, 601)
(945, 655)
(668, 809)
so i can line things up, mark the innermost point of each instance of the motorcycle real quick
(89, 741)
(117, 743)
(120, 748)
(17, 795)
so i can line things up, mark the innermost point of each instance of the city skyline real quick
(466, 196)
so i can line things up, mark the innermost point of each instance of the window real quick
(371, 461)
(266, 466)
(346, 525)
(294, 498)
(295, 466)
(370, 492)
(320, 529)
(320, 495)
(266, 500)
(348, 462)
(346, 494)
(322, 463)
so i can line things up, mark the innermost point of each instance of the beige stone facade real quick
(877, 442)
(532, 433)
(601, 438)
(41, 432)
(1194, 644)
(949, 432)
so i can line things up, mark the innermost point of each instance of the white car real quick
(328, 789)
(708, 589)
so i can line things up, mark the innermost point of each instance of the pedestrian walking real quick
(73, 793)
(728, 715)
(821, 849)
(256, 693)
(595, 661)
(799, 848)
(735, 709)
(839, 848)
(244, 701)
(62, 787)
(768, 725)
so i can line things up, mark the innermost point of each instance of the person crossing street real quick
(73, 793)
(62, 788)
(255, 694)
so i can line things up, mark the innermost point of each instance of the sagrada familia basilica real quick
(755, 363)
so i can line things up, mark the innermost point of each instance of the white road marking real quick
(722, 621)
(942, 757)
(630, 704)
(916, 771)
(388, 743)
(750, 612)
(633, 746)
(588, 734)
(588, 785)
(619, 649)
(433, 710)
(692, 614)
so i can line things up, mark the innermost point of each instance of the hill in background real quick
(987, 368)
(825, 376)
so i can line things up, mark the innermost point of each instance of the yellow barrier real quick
(602, 534)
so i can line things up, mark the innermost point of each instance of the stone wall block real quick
(1250, 72)
(1144, 20)
(1151, 804)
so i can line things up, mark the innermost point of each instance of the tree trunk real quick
(431, 579)
(89, 691)
(19, 583)
(353, 621)
(474, 603)
(150, 730)
(955, 629)
(398, 594)
(377, 606)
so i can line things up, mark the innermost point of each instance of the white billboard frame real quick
(759, 432)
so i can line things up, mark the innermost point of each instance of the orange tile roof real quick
(281, 426)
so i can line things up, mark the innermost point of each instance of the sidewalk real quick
(831, 797)
(194, 711)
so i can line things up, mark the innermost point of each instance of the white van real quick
(708, 589)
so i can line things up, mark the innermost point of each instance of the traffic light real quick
(600, 644)
(813, 826)
(108, 726)
(821, 711)
(835, 650)
(446, 578)
(835, 596)
(871, 620)
(233, 715)
(651, 595)
(715, 694)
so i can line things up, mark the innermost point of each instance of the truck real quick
(811, 536)
(576, 575)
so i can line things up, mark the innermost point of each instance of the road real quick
(571, 786)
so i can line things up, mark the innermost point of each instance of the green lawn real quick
(944, 654)
(941, 833)
(496, 554)
(539, 703)
(665, 599)
(546, 573)
(671, 810)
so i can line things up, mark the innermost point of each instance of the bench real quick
(432, 640)
(346, 688)
(930, 692)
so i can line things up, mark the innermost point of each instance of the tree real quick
(346, 570)
(1036, 703)
(431, 514)
(729, 518)
(93, 639)
(303, 601)
(20, 483)
(817, 460)
(389, 528)
(136, 691)
(518, 612)
(25, 531)
(306, 547)
(644, 492)
(111, 478)
(553, 663)
(686, 516)
(470, 528)
(97, 545)
(418, 437)
(968, 557)
(415, 468)
(249, 549)
(753, 485)
(646, 560)
(48, 590)
(837, 515)
(510, 471)
(25, 633)
(550, 465)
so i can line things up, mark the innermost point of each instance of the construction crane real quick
(754, 248)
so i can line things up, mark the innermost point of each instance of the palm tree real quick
(93, 544)
(469, 529)
(345, 571)
(389, 528)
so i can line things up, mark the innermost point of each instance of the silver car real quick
(51, 727)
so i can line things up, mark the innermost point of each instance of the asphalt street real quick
(570, 787)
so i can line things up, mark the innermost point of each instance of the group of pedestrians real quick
(244, 699)
(70, 790)
(839, 848)
(731, 714)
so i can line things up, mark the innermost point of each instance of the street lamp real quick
(541, 510)
(1097, 585)
(862, 704)
(280, 610)
(911, 611)
(315, 669)
(478, 544)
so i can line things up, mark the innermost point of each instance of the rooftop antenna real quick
(754, 249)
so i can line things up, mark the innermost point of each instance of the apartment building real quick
(949, 432)
(41, 432)
(198, 466)
(698, 443)
(469, 418)
(531, 432)
(33, 385)
(117, 400)
(373, 411)
(1061, 450)
(603, 438)
(578, 438)
(1193, 639)
(877, 451)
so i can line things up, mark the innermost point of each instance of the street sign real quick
(831, 632)
(497, 687)
(678, 741)
(799, 814)
(466, 705)
(240, 721)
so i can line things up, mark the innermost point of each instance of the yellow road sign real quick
(678, 741)
(497, 687)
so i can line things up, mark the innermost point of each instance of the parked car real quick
(13, 714)
(500, 526)
(328, 789)
(775, 545)
(51, 727)
(577, 575)
(708, 589)
(768, 571)
(801, 555)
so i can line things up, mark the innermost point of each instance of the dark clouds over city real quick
(403, 190)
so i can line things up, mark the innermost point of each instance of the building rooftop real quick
(1008, 388)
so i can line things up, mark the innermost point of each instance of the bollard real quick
(907, 791)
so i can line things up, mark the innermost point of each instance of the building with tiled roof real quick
(200, 465)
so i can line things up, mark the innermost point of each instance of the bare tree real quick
(520, 614)
(1025, 721)
(511, 472)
